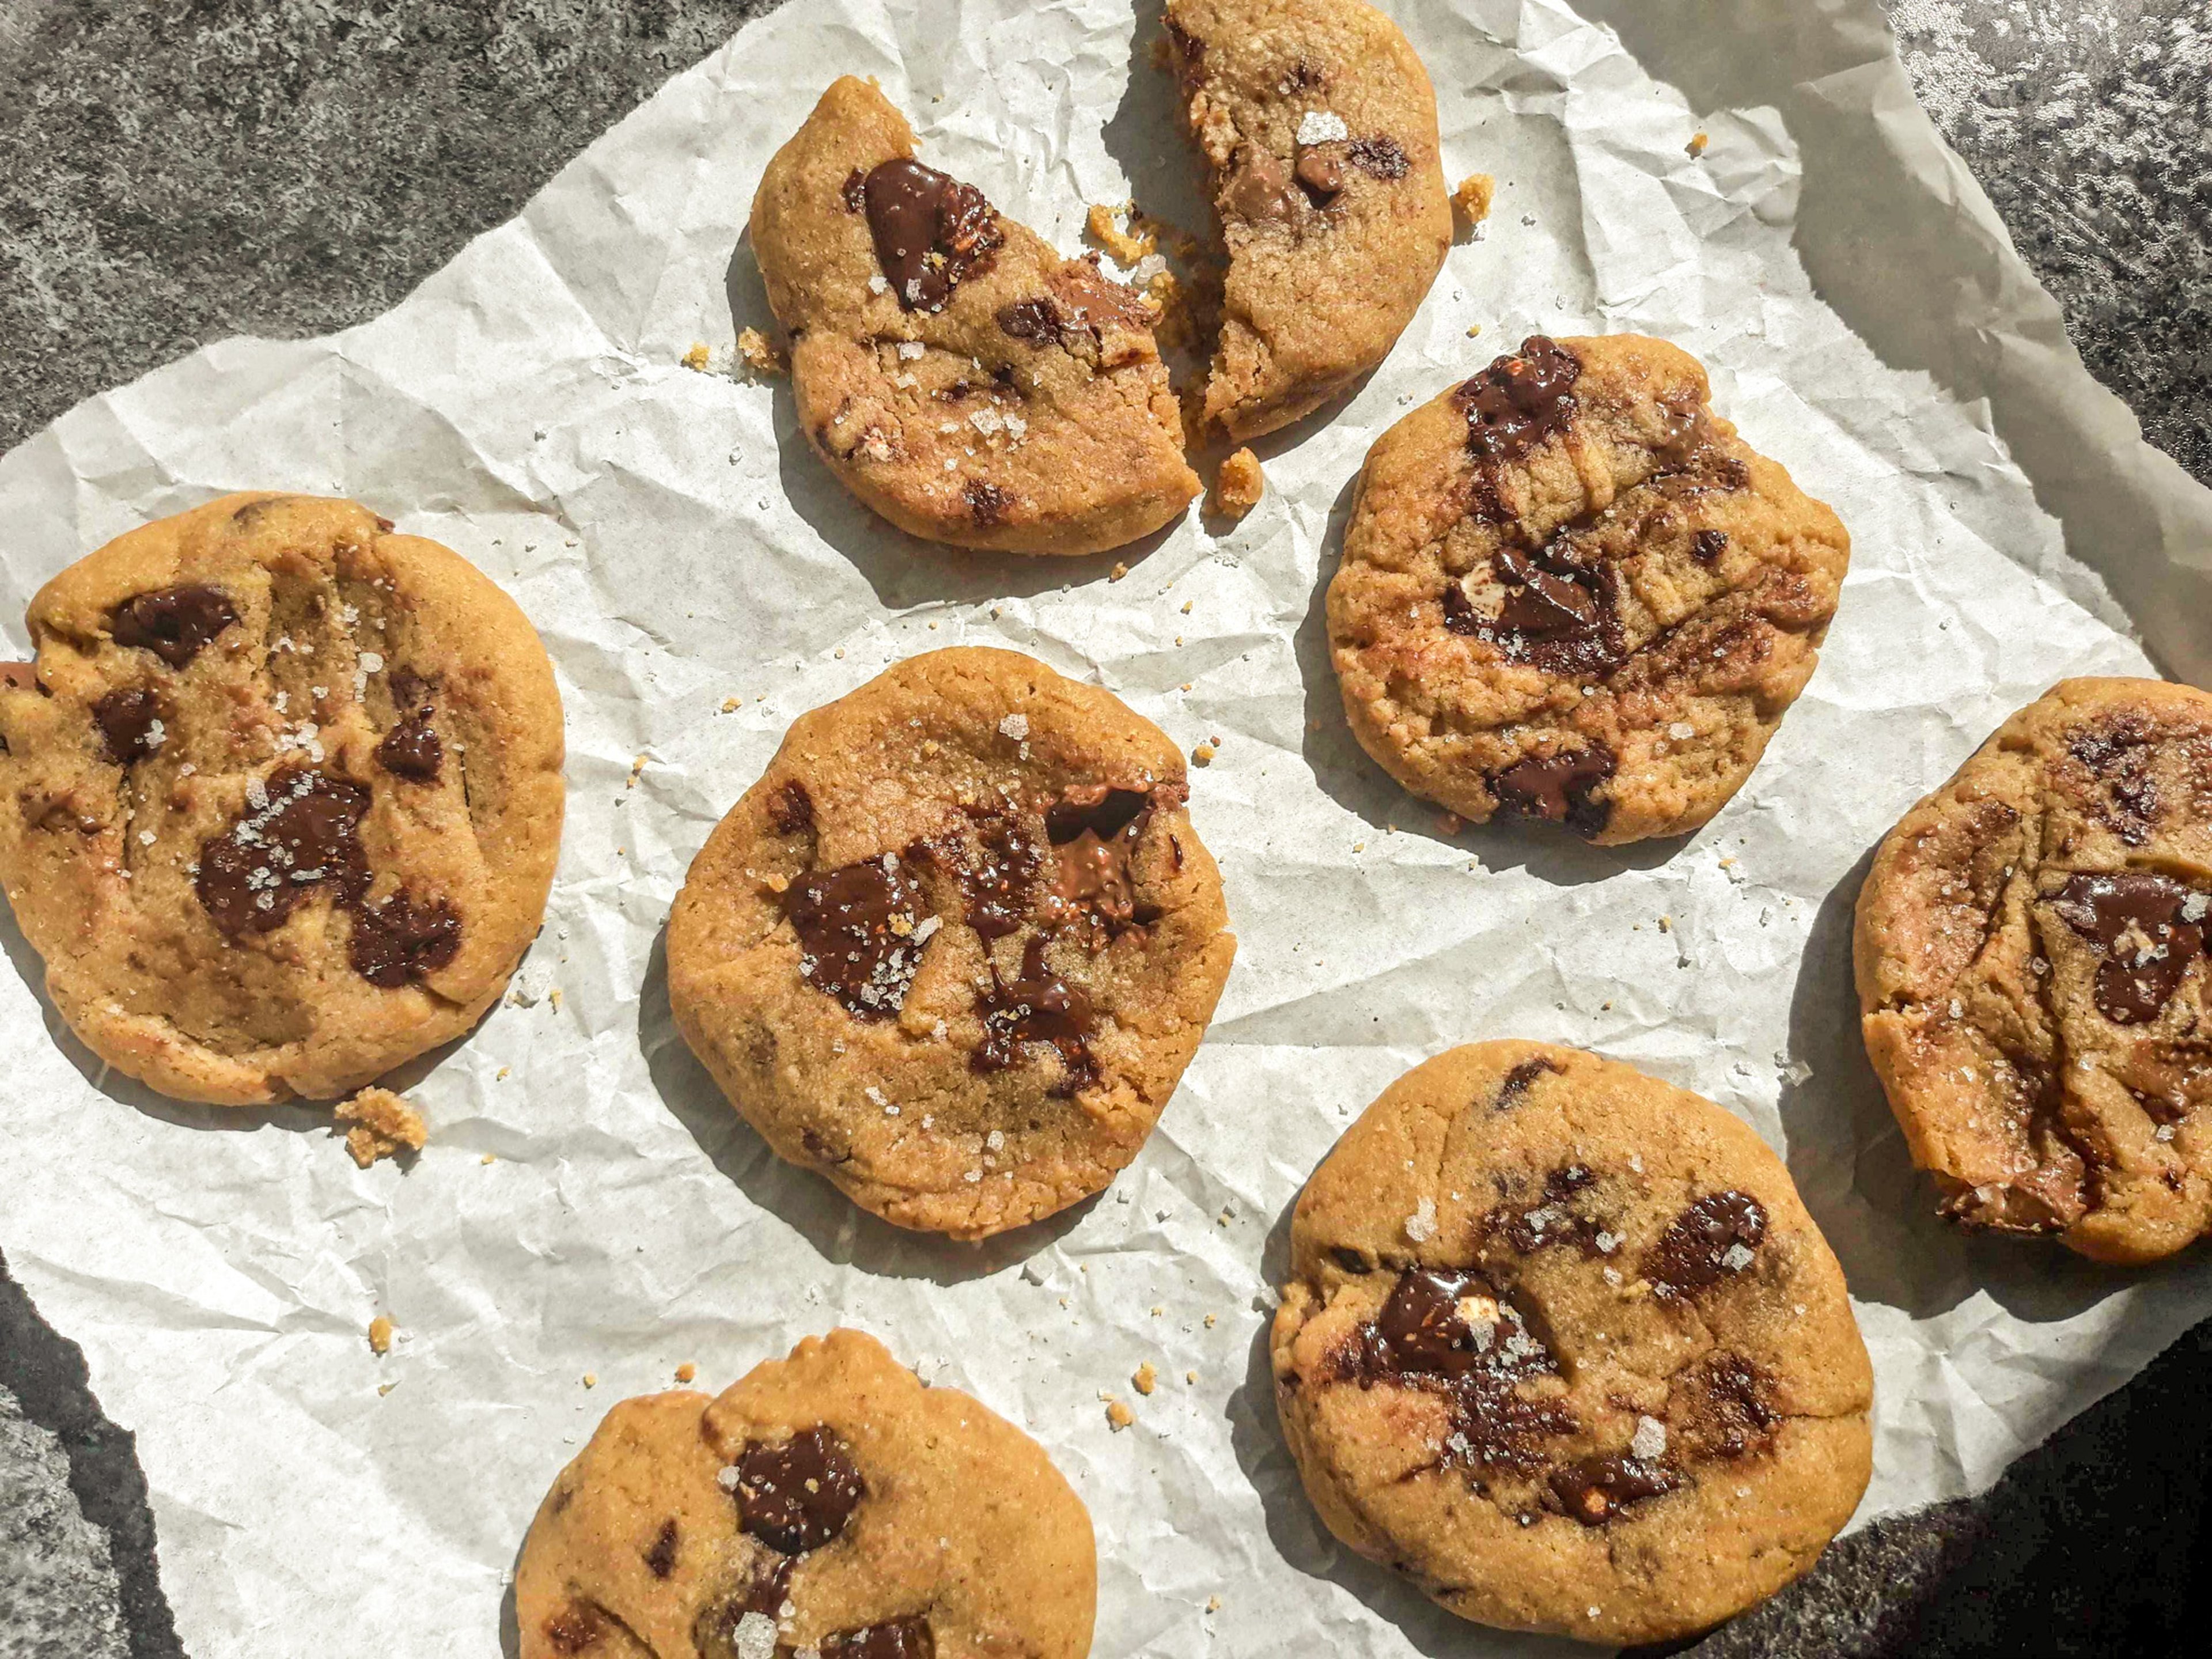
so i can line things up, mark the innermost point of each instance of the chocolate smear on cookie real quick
(1553, 1221)
(174, 623)
(901, 1639)
(1559, 788)
(410, 750)
(859, 933)
(2120, 755)
(1038, 1008)
(1721, 1403)
(130, 722)
(999, 879)
(1378, 158)
(1518, 1081)
(931, 231)
(2149, 928)
(796, 1495)
(790, 808)
(1519, 401)
(398, 939)
(1713, 1238)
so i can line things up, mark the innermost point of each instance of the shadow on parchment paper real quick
(1349, 776)
(1296, 1532)
(841, 1231)
(1849, 1159)
(905, 571)
(1878, 245)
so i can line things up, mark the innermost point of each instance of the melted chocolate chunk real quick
(901, 1638)
(1518, 1081)
(1261, 189)
(2147, 927)
(1320, 174)
(1379, 158)
(714, 1632)
(1440, 1320)
(1517, 402)
(130, 722)
(398, 939)
(797, 1496)
(174, 623)
(660, 1559)
(1038, 1008)
(1596, 1489)
(1442, 1329)
(1713, 1238)
(987, 503)
(856, 927)
(1095, 831)
(2121, 754)
(1707, 545)
(1725, 1396)
(299, 834)
(1530, 1230)
(1037, 321)
(410, 750)
(999, 886)
(931, 231)
(791, 809)
(853, 192)
(1559, 788)
(1558, 612)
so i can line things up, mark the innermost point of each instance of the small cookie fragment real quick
(2030, 948)
(1471, 200)
(1238, 484)
(384, 1126)
(972, 883)
(1571, 593)
(697, 357)
(1103, 225)
(826, 1504)
(759, 354)
(380, 1334)
(1613, 1390)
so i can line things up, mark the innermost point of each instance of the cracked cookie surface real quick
(1319, 127)
(827, 1504)
(1561, 1345)
(280, 803)
(2029, 947)
(1570, 592)
(955, 947)
(957, 374)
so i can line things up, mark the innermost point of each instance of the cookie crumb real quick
(383, 1389)
(1126, 246)
(1474, 331)
(1471, 201)
(1118, 1415)
(1696, 144)
(1238, 485)
(380, 1334)
(1145, 1378)
(696, 358)
(1203, 754)
(1119, 571)
(686, 1371)
(1213, 1604)
(590, 1379)
(488, 1158)
(384, 1126)
(1211, 1320)
(759, 354)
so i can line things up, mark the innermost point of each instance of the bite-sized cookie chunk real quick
(1320, 127)
(827, 1505)
(281, 803)
(2030, 952)
(1570, 592)
(958, 374)
(957, 945)
(1561, 1345)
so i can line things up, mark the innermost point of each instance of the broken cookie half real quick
(959, 376)
(1320, 126)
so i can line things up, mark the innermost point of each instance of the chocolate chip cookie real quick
(957, 945)
(1319, 127)
(1561, 1345)
(1570, 592)
(2029, 953)
(280, 797)
(828, 1505)
(958, 375)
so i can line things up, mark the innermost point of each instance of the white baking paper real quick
(677, 547)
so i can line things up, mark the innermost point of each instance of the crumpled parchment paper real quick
(589, 1204)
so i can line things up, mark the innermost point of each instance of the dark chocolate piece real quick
(1707, 545)
(1519, 401)
(128, 718)
(856, 928)
(1038, 1008)
(999, 885)
(1379, 158)
(300, 833)
(1558, 611)
(1261, 188)
(790, 808)
(987, 503)
(410, 750)
(1559, 788)
(901, 1639)
(1595, 1489)
(1518, 1081)
(398, 939)
(2149, 928)
(174, 623)
(931, 231)
(1095, 831)
(796, 1496)
(660, 1559)
(1702, 1245)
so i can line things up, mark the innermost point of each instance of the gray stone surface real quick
(173, 171)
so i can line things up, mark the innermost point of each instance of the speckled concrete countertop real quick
(174, 172)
